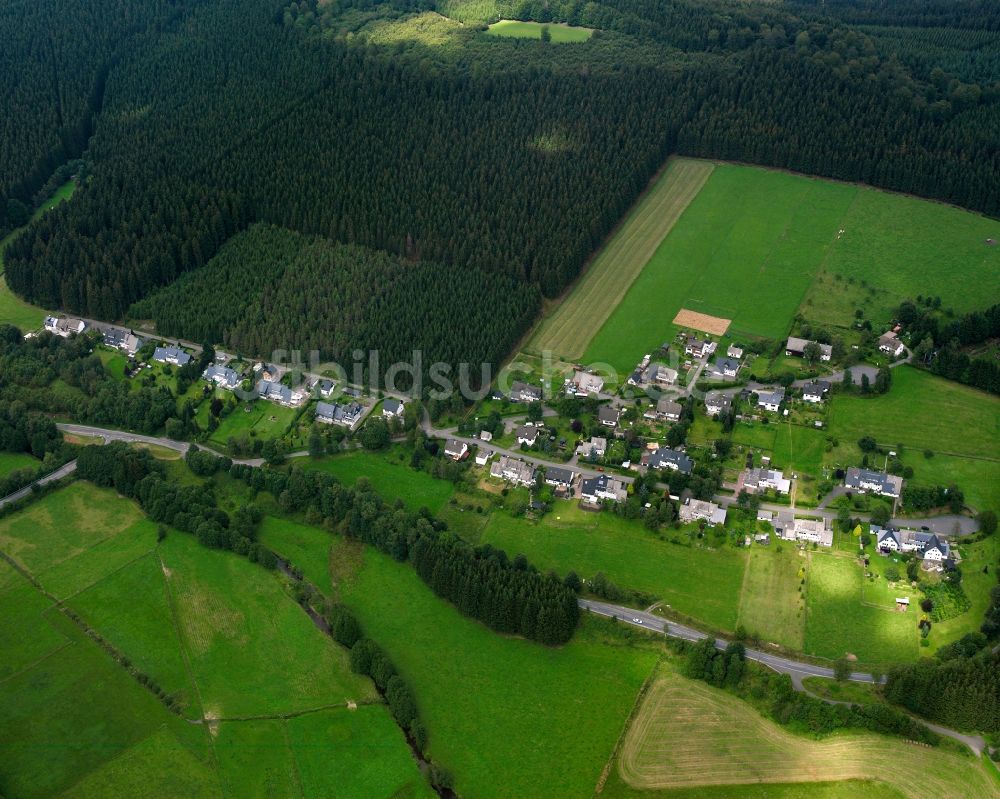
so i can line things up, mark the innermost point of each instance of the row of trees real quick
(508, 596)
(941, 344)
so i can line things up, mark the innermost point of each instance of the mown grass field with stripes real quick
(688, 734)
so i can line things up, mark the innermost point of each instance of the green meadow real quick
(506, 716)
(701, 583)
(390, 475)
(771, 606)
(746, 248)
(516, 29)
(303, 546)
(838, 623)
(260, 419)
(12, 461)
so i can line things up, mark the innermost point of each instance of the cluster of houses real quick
(764, 478)
(929, 546)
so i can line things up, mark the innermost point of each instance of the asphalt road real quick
(58, 474)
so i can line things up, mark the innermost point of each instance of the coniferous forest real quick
(414, 169)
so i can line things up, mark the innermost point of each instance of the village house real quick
(637, 375)
(483, 456)
(485, 435)
(866, 481)
(757, 481)
(171, 355)
(797, 347)
(324, 387)
(660, 375)
(608, 415)
(603, 487)
(345, 414)
(695, 509)
(222, 377)
(64, 326)
(124, 340)
(353, 393)
(280, 394)
(770, 399)
(666, 458)
(716, 402)
(513, 471)
(889, 344)
(699, 348)
(734, 352)
(393, 408)
(816, 391)
(266, 371)
(665, 410)
(559, 478)
(583, 384)
(455, 449)
(524, 392)
(726, 368)
(929, 545)
(815, 531)
(595, 448)
(527, 434)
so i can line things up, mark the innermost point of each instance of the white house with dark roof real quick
(324, 387)
(455, 449)
(699, 348)
(726, 368)
(668, 410)
(345, 414)
(527, 434)
(734, 352)
(756, 481)
(666, 458)
(865, 481)
(483, 456)
(608, 415)
(659, 374)
(393, 408)
(890, 345)
(716, 402)
(816, 391)
(770, 399)
(513, 470)
(64, 326)
(604, 487)
(124, 340)
(558, 477)
(222, 376)
(171, 355)
(797, 347)
(930, 546)
(280, 394)
(815, 531)
(524, 392)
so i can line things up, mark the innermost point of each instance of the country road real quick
(58, 474)
(795, 669)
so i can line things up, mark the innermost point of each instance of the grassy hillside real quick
(506, 716)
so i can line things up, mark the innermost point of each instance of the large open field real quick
(771, 604)
(746, 249)
(683, 737)
(839, 623)
(607, 279)
(701, 583)
(391, 477)
(506, 716)
(215, 631)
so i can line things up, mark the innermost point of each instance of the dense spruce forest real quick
(293, 291)
(470, 160)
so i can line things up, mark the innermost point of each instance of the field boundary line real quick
(50, 653)
(294, 714)
(636, 706)
(111, 573)
(743, 590)
(291, 756)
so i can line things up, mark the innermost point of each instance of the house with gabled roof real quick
(513, 470)
(280, 394)
(527, 434)
(595, 448)
(558, 477)
(666, 458)
(222, 376)
(816, 391)
(797, 347)
(455, 449)
(929, 545)
(345, 414)
(608, 415)
(393, 408)
(716, 402)
(64, 326)
(324, 387)
(865, 481)
(124, 340)
(726, 368)
(524, 392)
(698, 347)
(759, 480)
(695, 509)
(583, 384)
(171, 355)
(770, 399)
(890, 344)
(604, 487)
